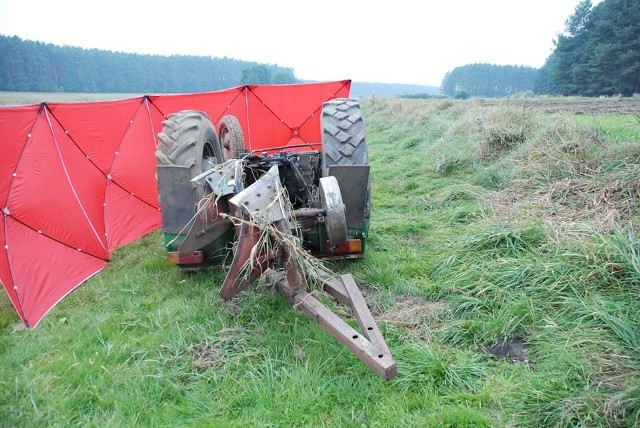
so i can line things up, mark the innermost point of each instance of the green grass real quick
(490, 223)
(29, 98)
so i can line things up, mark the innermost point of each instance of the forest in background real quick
(598, 54)
(43, 67)
(30, 66)
(488, 80)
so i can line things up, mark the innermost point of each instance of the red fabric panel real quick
(128, 218)
(295, 103)
(45, 276)
(5, 269)
(266, 129)
(298, 144)
(97, 127)
(270, 115)
(134, 165)
(57, 191)
(280, 113)
(15, 123)
(215, 104)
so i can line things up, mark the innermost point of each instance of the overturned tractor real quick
(274, 214)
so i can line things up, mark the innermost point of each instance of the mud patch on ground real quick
(513, 351)
(591, 106)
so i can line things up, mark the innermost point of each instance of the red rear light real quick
(177, 258)
(351, 246)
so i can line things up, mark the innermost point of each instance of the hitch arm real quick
(368, 346)
(372, 354)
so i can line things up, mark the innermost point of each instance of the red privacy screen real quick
(77, 180)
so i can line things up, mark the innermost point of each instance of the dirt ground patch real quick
(514, 350)
(412, 313)
(611, 105)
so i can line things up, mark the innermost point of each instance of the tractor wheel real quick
(188, 139)
(343, 143)
(343, 135)
(231, 138)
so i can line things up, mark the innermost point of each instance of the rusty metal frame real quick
(260, 206)
(368, 345)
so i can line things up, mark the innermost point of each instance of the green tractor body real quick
(189, 147)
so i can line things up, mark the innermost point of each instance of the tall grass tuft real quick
(502, 130)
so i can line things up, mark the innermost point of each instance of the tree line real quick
(488, 80)
(597, 54)
(38, 67)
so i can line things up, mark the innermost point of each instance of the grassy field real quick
(29, 98)
(504, 272)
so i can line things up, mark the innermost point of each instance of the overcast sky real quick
(397, 41)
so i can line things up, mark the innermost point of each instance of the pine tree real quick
(599, 53)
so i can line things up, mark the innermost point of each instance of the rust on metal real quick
(210, 224)
(379, 360)
(363, 314)
(237, 277)
(369, 346)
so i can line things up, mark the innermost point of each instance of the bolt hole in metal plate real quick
(335, 221)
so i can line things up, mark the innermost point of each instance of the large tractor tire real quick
(231, 138)
(343, 135)
(344, 144)
(188, 139)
